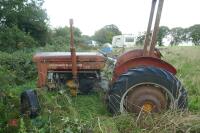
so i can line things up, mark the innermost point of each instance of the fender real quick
(141, 61)
(135, 53)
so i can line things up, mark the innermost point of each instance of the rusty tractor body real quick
(141, 82)
(78, 70)
(52, 64)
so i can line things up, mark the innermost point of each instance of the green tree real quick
(178, 35)
(85, 39)
(106, 33)
(27, 15)
(61, 36)
(140, 39)
(12, 39)
(163, 31)
(9, 12)
(194, 34)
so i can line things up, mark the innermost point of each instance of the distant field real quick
(187, 62)
(88, 113)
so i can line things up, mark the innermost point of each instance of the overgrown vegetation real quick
(187, 62)
(88, 113)
(24, 30)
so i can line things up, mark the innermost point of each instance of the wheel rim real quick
(146, 97)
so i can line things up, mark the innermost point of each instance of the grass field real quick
(87, 113)
(187, 62)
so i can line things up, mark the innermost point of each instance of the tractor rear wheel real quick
(147, 89)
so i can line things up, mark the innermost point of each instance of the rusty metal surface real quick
(156, 26)
(66, 56)
(141, 61)
(80, 66)
(148, 34)
(134, 54)
(149, 44)
(145, 94)
(44, 67)
(42, 74)
(73, 51)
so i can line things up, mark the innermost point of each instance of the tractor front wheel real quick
(147, 89)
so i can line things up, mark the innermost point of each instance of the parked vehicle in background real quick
(126, 40)
(92, 43)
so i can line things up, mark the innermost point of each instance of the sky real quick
(130, 16)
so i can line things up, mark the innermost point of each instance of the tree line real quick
(24, 24)
(175, 35)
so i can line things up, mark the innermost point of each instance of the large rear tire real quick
(148, 89)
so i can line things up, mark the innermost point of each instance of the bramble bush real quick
(17, 66)
(15, 69)
(13, 39)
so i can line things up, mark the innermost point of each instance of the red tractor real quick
(79, 70)
(141, 81)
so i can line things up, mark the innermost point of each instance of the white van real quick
(126, 40)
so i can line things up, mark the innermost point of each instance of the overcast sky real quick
(131, 16)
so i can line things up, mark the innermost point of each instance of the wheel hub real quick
(146, 98)
(147, 107)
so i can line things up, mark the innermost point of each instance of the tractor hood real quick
(66, 57)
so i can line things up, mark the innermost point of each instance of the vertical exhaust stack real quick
(73, 51)
(73, 84)
(149, 44)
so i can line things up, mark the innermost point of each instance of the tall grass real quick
(88, 114)
(187, 62)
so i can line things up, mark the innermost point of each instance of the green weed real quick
(88, 113)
